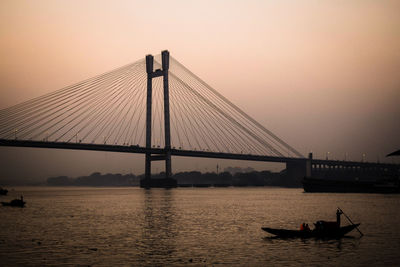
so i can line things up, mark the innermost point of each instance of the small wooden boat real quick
(329, 232)
(284, 233)
(15, 203)
(323, 229)
(3, 191)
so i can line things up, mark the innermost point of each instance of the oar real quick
(348, 218)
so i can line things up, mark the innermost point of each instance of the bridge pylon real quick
(168, 181)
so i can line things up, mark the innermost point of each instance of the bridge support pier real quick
(297, 170)
(168, 181)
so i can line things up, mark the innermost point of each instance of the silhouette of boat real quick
(3, 191)
(323, 229)
(324, 232)
(15, 203)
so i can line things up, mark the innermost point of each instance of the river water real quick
(192, 227)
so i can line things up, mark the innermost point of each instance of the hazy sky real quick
(322, 75)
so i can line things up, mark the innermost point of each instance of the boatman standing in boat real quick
(338, 213)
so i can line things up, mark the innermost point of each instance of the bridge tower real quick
(168, 181)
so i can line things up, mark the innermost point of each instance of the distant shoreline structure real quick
(316, 185)
(184, 179)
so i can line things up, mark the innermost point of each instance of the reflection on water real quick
(159, 232)
(186, 226)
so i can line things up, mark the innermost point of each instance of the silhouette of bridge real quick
(132, 110)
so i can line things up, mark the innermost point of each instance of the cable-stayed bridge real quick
(154, 106)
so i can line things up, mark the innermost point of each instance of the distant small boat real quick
(3, 191)
(15, 203)
(331, 232)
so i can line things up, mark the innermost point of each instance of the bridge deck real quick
(142, 150)
(179, 152)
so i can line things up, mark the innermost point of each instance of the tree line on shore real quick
(187, 179)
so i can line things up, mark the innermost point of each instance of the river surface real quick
(192, 227)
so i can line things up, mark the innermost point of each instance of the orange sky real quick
(322, 75)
